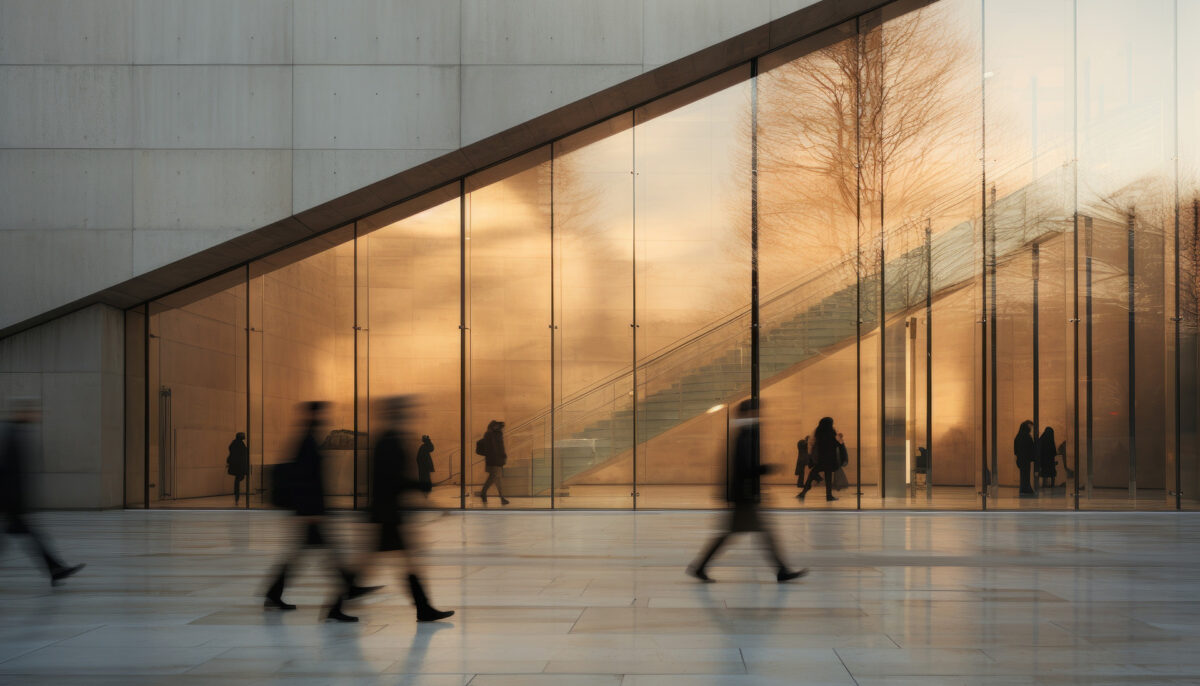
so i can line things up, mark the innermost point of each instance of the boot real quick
(425, 611)
(60, 572)
(274, 596)
(335, 613)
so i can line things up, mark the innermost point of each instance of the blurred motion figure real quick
(743, 490)
(14, 455)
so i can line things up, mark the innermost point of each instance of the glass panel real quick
(593, 303)
(135, 406)
(409, 291)
(1187, 247)
(692, 254)
(922, 136)
(509, 287)
(1028, 74)
(807, 204)
(302, 312)
(1126, 95)
(197, 393)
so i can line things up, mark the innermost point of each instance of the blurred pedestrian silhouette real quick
(1024, 449)
(237, 465)
(302, 484)
(804, 462)
(827, 453)
(743, 490)
(425, 464)
(1046, 454)
(491, 446)
(15, 454)
(391, 481)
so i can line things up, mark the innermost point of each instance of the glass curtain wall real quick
(965, 230)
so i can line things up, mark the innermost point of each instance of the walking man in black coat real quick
(391, 481)
(14, 457)
(237, 465)
(307, 494)
(743, 490)
(491, 446)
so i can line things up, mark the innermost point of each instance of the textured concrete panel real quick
(213, 107)
(376, 107)
(71, 407)
(376, 32)
(781, 8)
(320, 175)
(65, 189)
(675, 28)
(210, 189)
(552, 32)
(65, 32)
(212, 32)
(65, 107)
(154, 248)
(44, 269)
(495, 98)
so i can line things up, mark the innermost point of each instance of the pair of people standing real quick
(827, 455)
(300, 484)
(1041, 454)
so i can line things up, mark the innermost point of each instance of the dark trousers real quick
(1025, 468)
(237, 488)
(812, 475)
(18, 525)
(744, 521)
(312, 536)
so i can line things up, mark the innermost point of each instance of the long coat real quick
(239, 458)
(1023, 448)
(745, 470)
(825, 450)
(309, 477)
(13, 455)
(493, 449)
(391, 466)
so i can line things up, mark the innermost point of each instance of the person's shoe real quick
(801, 495)
(483, 497)
(63, 572)
(503, 500)
(335, 614)
(830, 498)
(432, 614)
(277, 604)
(698, 572)
(360, 591)
(786, 575)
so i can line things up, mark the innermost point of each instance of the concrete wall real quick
(136, 132)
(75, 364)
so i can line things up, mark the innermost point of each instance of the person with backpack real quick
(300, 484)
(491, 446)
(237, 465)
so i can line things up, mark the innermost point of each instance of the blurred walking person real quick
(391, 482)
(425, 465)
(237, 465)
(827, 452)
(300, 484)
(14, 469)
(744, 491)
(491, 446)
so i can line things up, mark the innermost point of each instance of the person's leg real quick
(782, 573)
(487, 483)
(812, 475)
(237, 489)
(273, 598)
(500, 485)
(696, 569)
(829, 485)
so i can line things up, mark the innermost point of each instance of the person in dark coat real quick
(804, 461)
(491, 446)
(14, 457)
(391, 481)
(425, 464)
(237, 465)
(827, 455)
(1023, 448)
(744, 491)
(1046, 455)
(308, 500)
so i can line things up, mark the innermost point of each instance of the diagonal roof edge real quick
(452, 166)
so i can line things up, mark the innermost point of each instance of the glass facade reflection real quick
(932, 223)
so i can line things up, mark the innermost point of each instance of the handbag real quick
(840, 480)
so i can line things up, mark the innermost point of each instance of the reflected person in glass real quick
(237, 465)
(744, 491)
(1024, 448)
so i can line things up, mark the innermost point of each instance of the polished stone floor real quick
(590, 598)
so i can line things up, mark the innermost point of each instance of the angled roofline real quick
(449, 168)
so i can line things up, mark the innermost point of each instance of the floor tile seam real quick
(845, 667)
